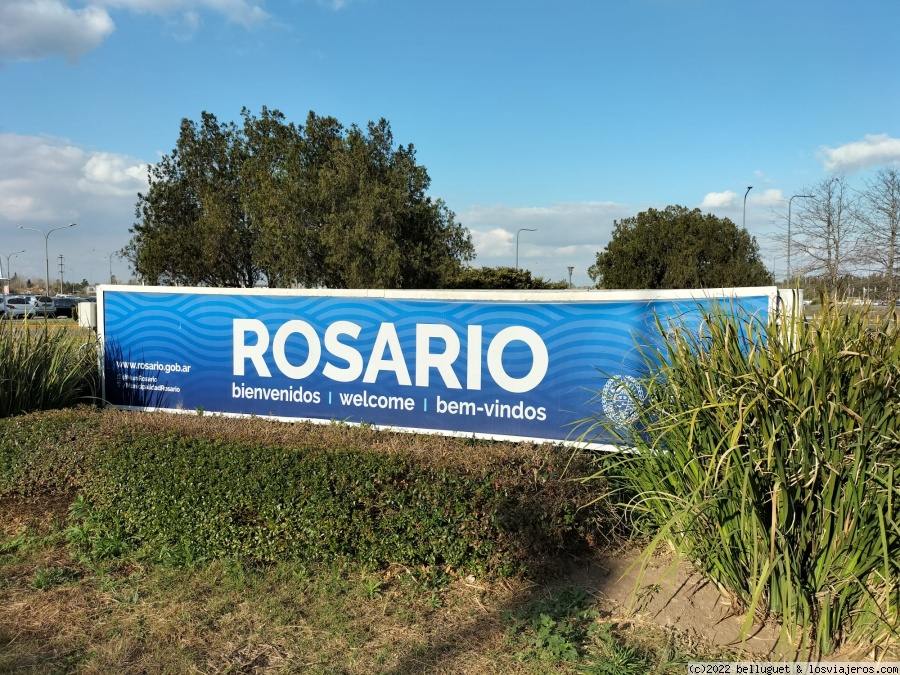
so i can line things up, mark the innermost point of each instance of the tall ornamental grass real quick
(768, 454)
(42, 368)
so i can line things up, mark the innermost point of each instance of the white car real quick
(18, 306)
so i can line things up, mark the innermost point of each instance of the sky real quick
(559, 117)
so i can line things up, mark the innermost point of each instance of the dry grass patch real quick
(470, 453)
(127, 615)
(217, 619)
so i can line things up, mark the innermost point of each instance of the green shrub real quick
(175, 488)
(47, 450)
(769, 455)
(43, 368)
(218, 499)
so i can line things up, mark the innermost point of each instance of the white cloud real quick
(47, 182)
(112, 175)
(719, 200)
(31, 30)
(35, 29)
(566, 234)
(43, 179)
(244, 12)
(732, 201)
(771, 197)
(566, 220)
(336, 5)
(871, 151)
(492, 242)
(192, 20)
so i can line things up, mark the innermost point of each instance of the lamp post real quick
(8, 275)
(789, 232)
(570, 268)
(744, 223)
(47, 253)
(110, 256)
(523, 229)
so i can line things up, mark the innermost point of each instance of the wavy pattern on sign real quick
(192, 335)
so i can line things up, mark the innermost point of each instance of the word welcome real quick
(366, 400)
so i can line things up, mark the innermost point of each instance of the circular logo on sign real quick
(619, 398)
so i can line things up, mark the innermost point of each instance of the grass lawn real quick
(60, 614)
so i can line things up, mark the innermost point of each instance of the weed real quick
(607, 655)
(565, 630)
(47, 578)
(20, 541)
(372, 588)
(553, 630)
(93, 537)
(434, 600)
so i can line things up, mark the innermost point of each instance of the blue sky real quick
(559, 116)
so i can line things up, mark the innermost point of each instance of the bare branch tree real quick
(826, 232)
(878, 211)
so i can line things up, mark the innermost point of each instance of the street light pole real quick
(9, 276)
(744, 223)
(47, 252)
(789, 275)
(570, 268)
(47, 247)
(110, 256)
(523, 229)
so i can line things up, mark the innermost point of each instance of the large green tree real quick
(194, 228)
(294, 205)
(679, 248)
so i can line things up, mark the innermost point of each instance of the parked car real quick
(19, 306)
(43, 306)
(67, 305)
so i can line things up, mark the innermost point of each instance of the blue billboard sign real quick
(499, 365)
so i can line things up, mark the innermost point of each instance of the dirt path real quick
(671, 595)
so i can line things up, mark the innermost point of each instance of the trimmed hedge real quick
(190, 493)
(47, 450)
